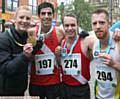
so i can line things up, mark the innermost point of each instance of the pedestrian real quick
(15, 55)
(45, 74)
(106, 60)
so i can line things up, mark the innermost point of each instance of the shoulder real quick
(5, 39)
(60, 34)
(89, 41)
(4, 35)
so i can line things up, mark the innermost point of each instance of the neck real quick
(45, 29)
(71, 40)
(104, 42)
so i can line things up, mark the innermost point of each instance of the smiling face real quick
(100, 25)
(46, 16)
(22, 20)
(70, 26)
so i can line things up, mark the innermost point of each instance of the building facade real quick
(112, 6)
(11, 6)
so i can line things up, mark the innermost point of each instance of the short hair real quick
(70, 14)
(99, 11)
(24, 7)
(45, 5)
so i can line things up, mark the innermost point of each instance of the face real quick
(70, 26)
(22, 20)
(46, 17)
(100, 25)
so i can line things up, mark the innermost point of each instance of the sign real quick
(5, 16)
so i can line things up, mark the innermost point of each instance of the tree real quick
(83, 12)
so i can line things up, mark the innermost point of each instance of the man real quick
(75, 61)
(45, 74)
(15, 55)
(106, 58)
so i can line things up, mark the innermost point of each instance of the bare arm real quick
(60, 34)
(87, 45)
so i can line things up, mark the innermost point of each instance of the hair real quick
(70, 14)
(99, 11)
(24, 7)
(45, 5)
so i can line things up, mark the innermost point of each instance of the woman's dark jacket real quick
(13, 63)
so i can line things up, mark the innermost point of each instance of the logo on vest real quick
(96, 53)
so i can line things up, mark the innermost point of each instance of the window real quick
(12, 5)
(33, 6)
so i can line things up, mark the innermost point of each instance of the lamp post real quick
(3, 13)
(62, 9)
(110, 11)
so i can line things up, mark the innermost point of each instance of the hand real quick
(107, 59)
(83, 34)
(58, 51)
(116, 35)
(37, 47)
(27, 50)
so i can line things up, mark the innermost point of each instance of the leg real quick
(53, 91)
(37, 91)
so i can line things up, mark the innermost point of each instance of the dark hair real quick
(99, 11)
(70, 14)
(45, 5)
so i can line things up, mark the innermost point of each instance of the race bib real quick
(104, 73)
(71, 64)
(44, 64)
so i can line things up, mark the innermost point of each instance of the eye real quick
(49, 13)
(102, 22)
(43, 13)
(28, 18)
(21, 17)
(66, 25)
(72, 25)
(94, 23)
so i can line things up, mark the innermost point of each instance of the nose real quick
(24, 20)
(98, 25)
(46, 15)
(70, 27)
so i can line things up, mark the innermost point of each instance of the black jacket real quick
(13, 64)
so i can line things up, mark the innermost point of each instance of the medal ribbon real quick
(42, 36)
(109, 45)
(14, 39)
(71, 49)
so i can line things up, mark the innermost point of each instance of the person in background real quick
(15, 55)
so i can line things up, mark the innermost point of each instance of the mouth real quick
(98, 32)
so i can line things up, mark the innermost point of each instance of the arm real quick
(87, 45)
(60, 34)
